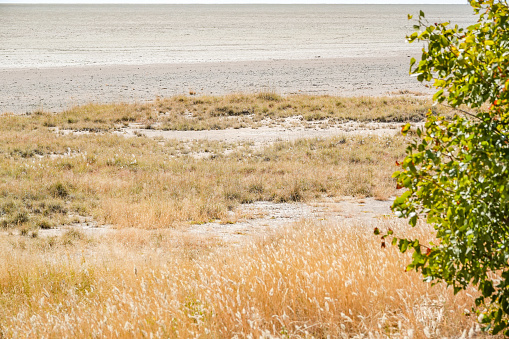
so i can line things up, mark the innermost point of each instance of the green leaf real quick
(438, 94)
(405, 129)
(505, 305)
(487, 289)
(413, 221)
(499, 327)
(403, 245)
(401, 199)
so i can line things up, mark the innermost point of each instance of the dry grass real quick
(310, 280)
(48, 179)
(237, 110)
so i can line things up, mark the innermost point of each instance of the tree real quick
(456, 172)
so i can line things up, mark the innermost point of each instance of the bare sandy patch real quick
(261, 218)
(269, 134)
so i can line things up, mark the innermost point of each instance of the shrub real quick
(456, 173)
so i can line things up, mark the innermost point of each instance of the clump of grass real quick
(15, 219)
(269, 96)
(44, 223)
(71, 236)
(308, 280)
(59, 190)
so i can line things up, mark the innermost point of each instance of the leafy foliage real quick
(456, 172)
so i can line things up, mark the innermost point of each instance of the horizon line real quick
(374, 2)
(237, 2)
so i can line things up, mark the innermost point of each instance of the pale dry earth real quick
(262, 217)
(55, 89)
(269, 134)
(290, 129)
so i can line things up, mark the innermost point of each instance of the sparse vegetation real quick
(50, 178)
(145, 183)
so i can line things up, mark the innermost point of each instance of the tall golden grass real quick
(309, 280)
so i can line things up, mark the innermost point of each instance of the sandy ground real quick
(259, 218)
(262, 217)
(55, 89)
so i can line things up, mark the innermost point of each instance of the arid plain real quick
(167, 176)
